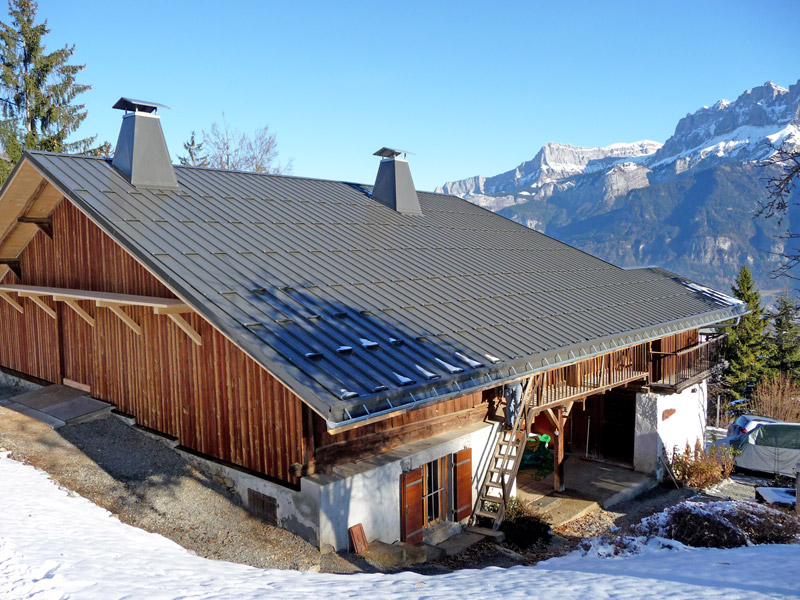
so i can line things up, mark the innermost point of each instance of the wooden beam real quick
(14, 264)
(172, 310)
(43, 223)
(187, 329)
(122, 315)
(548, 412)
(41, 304)
(73, 304)
(17, 306)
(106, 297)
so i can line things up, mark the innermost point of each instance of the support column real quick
(558, 455)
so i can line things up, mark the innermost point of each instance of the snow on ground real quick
(55, 545)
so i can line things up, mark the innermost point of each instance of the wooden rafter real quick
(17, 306)
(43, 223)
(14, 264)
(187, 329)
(122, 315)
(38, 301)
(105, 297)
(73, 304)
(172, 310)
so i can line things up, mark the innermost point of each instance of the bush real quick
(699, 468)
(776, 397)
(524, 525)
(723, 524)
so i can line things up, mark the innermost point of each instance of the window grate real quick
(262, 507)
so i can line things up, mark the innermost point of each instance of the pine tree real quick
(194, 153)
(746, 349)
(38, 89)
(784, 343)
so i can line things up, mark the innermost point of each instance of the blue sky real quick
(470, 87)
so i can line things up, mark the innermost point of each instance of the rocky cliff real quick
(686, 205)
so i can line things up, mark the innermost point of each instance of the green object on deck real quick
(542, 437)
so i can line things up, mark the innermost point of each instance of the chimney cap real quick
(138, 105)
(391, 153)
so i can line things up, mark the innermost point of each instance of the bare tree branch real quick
(780, 188)
(227, 148)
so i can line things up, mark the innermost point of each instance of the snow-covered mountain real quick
(586, 196)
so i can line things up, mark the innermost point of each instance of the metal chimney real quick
(393, 185)
(141, 154)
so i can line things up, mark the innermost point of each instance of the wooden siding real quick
(392, 432)
(213, 398)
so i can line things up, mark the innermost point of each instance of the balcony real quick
(675, 371)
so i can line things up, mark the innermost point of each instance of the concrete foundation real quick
(665, 422)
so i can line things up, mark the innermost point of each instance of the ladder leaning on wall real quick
(505, 460)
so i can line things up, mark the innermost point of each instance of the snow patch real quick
(54, 544)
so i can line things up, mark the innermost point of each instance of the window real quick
(440, 490)
(434, 490)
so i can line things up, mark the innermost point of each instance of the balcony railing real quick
(676, 370)
(591, 376)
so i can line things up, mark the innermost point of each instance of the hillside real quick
(686, 205)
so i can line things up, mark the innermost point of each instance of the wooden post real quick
(797, 489)
(558, 455)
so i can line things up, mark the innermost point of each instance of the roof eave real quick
(502, 373)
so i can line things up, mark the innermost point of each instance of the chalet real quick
(342, 350)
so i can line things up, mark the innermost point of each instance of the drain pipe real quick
(588, 429)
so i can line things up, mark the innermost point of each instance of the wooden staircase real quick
(495, 491)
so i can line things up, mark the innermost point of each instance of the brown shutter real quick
(411, 506)
(462, 471)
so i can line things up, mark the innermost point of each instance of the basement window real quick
(262, 506)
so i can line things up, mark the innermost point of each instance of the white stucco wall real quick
(368, 492)
(666, 421)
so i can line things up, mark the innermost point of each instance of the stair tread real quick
(495, 499)
(483, 513)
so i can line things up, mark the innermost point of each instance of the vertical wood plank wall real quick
(213, 398)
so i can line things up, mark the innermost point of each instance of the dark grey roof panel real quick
(297, 270)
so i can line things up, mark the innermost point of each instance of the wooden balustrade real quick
(684, 367)
(592, 375)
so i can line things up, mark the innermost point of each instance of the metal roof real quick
(362, 310)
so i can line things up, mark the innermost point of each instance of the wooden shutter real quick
(462, 474)
(411, 517)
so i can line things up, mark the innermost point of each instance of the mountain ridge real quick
(693, 196)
